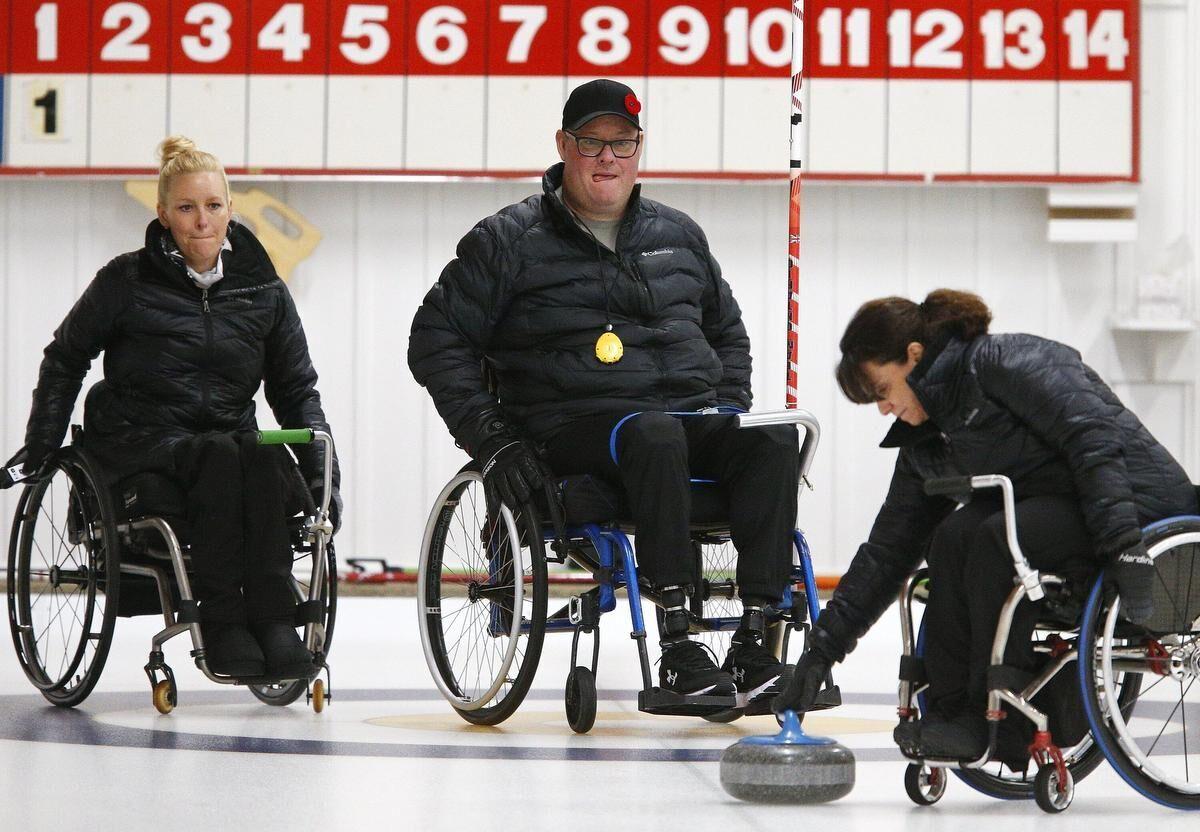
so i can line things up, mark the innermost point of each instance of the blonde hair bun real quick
(180, 156)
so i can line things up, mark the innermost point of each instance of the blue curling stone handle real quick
(790, 734)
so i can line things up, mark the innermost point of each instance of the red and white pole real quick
(797, 141)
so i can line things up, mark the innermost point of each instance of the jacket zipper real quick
(208, 345)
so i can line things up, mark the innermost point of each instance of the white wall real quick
(385, 242)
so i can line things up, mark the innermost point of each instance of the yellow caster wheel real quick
(164, 697)
(318, 695)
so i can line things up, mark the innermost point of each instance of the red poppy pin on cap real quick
(602, 97)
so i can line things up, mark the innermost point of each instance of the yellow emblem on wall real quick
(286, 235)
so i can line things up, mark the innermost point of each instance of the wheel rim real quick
(60, 603)
(471, 638)
(1155, 735)
(718, 566)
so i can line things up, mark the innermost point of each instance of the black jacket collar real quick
(936, 382)
(247, 264)
(552, 180)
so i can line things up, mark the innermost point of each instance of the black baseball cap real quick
(602, 97)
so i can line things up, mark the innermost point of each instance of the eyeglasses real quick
(621, 148)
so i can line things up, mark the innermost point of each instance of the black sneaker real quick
(230, 650)
(759, 676)
(688, 668)
(964, 737)
(286, 655)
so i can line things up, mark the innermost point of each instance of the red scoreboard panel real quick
(913, 89)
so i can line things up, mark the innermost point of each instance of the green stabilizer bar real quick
(298, 436)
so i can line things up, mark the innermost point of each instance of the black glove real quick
(1133, 573)
(511, 471)
(23, 464)
(809, 677)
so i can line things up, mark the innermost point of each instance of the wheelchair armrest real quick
(812, 431)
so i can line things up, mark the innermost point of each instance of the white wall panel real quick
(444, 127)
(851, 134)
(1083, 149)
(366, 122)
(288, 125)
(755, 123)
(523, 114)
(928, 125)
(125, 106)
(683, 132)
(210, 110)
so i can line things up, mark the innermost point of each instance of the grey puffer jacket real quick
(1025, 407)
(529, 290)
(178, 360)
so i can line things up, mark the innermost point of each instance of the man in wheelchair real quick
(1087, 477)
(605, 319)
(190, 325)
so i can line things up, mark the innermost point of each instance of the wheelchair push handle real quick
(791, 416)
(963, 486)
(307, 436)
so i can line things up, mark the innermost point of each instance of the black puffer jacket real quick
(178, 360)
(1021, 406)
(527, 290)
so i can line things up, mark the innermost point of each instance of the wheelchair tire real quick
(1164, 661)
(285, 693)
(481, 654)
(64, 562)
(580, 699)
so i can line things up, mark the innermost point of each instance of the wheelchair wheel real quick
(482, 591)
(1151, 745)
(717, 595)
(285, 693)
(64, 578)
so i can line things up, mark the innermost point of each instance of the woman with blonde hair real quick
(190, 325)
(1087, 476)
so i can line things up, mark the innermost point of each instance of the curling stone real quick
(790, 767)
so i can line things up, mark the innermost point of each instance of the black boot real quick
(287, 657)
(756, 671)
(965, 737)
(230, 650)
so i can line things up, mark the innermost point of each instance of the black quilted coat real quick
(1021, 406)
(529, 290)
(178, 360)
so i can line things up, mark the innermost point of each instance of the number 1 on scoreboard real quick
(42, 122)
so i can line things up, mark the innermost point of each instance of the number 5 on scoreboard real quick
(45, 103)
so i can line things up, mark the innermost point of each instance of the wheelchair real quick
(84, 550)
(1134, 682)
(483, 597)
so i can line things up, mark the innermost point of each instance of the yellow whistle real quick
(609, 348)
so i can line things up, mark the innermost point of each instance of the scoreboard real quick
(943, 89)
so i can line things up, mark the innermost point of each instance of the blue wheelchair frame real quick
(616, 565)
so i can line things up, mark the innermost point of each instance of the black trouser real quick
(235, 508)
(758, 469)
(971, 574)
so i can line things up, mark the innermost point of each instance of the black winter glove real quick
(23, 464)
(809, 677)
(1133, 573)
(511, 472)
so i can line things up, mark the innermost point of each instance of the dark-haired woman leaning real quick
(1086, 472)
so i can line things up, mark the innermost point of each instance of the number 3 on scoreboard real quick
(43, 114)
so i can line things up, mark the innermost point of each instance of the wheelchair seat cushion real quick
(152, 494)
(587, 498)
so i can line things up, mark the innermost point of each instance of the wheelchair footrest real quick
(665, 702)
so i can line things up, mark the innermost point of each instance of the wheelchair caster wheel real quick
(1053, 794)
(924, 785)
(163, 695)
(318, 695)
(581, 700)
